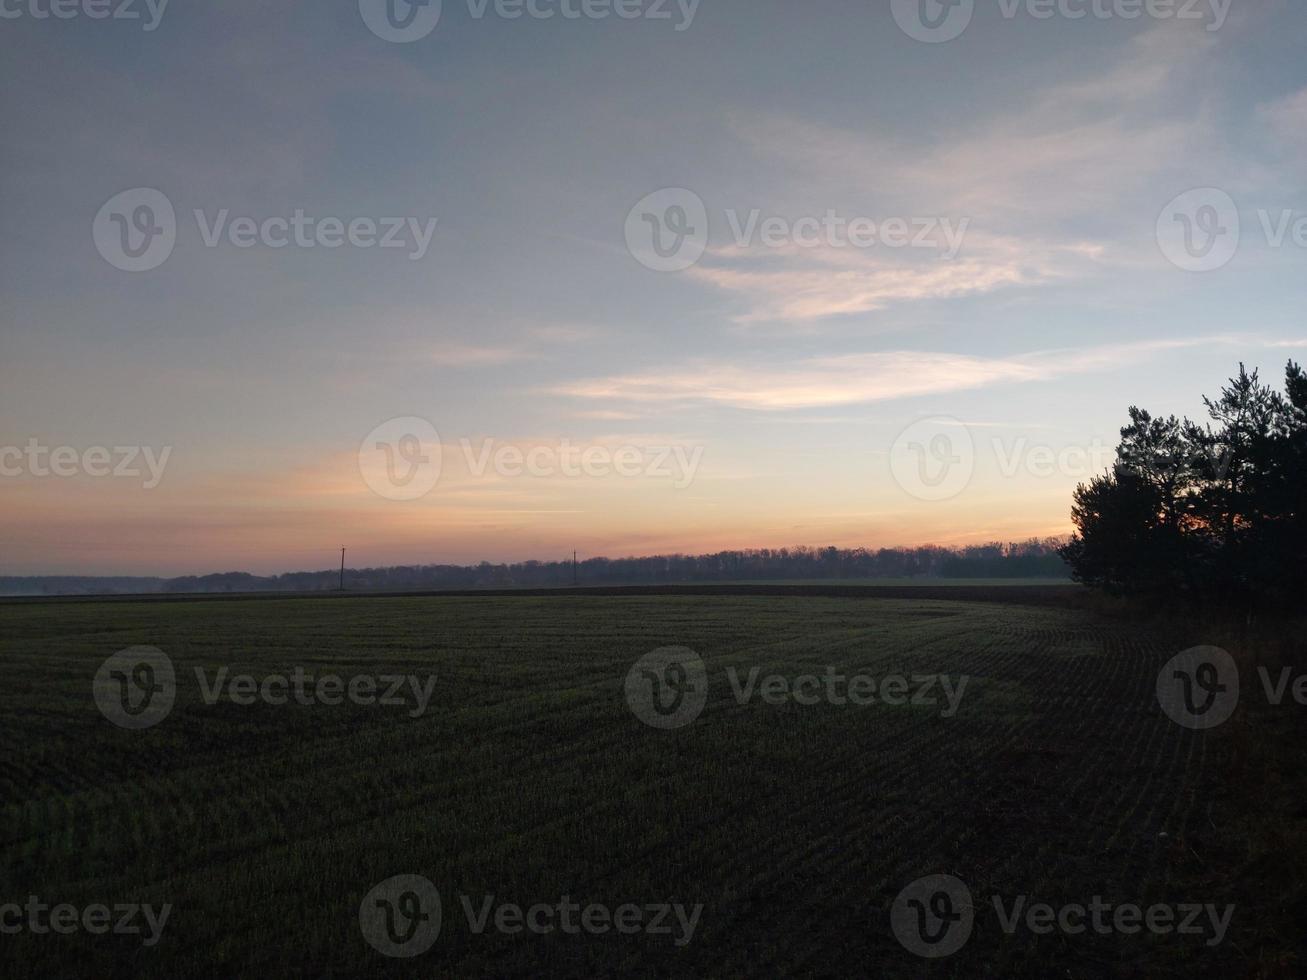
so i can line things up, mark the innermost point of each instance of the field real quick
(528, 777)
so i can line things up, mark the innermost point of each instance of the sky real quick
(520, 279)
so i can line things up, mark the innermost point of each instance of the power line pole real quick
(342, 569)
(574, 569)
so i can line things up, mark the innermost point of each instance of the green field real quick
(529, 778)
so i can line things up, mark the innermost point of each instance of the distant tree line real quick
(1213, 512)
(1036, 558)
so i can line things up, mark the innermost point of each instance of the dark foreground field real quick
(528, 777)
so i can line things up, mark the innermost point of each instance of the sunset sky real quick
(759, 395)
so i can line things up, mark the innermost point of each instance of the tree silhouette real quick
(1211, 512)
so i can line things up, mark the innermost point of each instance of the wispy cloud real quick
(808, 283)
(461, 355)
(532, 343)
(1287, 119)
(563, 333)
(606, 415)
(1037, 185)
(822, 382)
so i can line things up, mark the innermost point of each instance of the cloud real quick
(563, 333)
(461, 355)
(822, 382)
(1287, 119)
(809, 283)
(605, 415)
(1044, 187)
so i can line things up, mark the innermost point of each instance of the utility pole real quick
(574, 569)
(342, 569)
